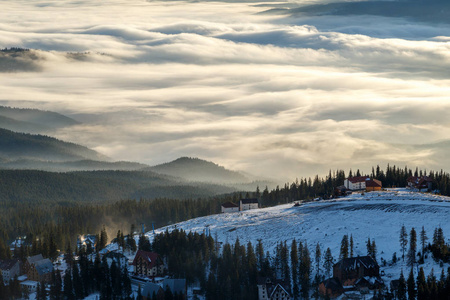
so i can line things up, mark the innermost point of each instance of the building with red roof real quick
(361, 183)
(148, 264)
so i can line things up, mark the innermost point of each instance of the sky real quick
(276, 95)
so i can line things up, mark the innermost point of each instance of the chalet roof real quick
(369, 281)
(115, 255)
(357, 179)
(278, 286)
(273, 284)
(150, 258)
(417, 180)
(249, 201)
(175, 285)
(151, 288)
(353, 263)
(8, 264)
(44, 266)
(333, 284)
(31, 260)
(373, 183)
(229, 205)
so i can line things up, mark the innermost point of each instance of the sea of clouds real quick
(275, 95)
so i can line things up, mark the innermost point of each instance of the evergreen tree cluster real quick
(85, 277)
(423, 287)
(310, 188)
(230, 271)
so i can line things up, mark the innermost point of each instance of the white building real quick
(229, 207)
(356, 183)
(9, 269)
(29, 285)
(246, 204)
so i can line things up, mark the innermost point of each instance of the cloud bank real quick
(273, 95)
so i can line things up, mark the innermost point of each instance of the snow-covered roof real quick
(35, 258)
(229, 205)
(44, 266)
(249, 201)
(354, 263)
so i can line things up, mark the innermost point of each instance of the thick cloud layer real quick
(274, 95)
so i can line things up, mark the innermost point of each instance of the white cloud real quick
(272, 95)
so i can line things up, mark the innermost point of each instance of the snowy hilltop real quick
(375, 215)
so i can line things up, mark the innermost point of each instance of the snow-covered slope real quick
(376, 215)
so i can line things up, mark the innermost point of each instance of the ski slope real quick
(375, 215)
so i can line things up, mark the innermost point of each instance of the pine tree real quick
(432, 285)
(305, 271)
(294, 265)
(55, 289)
(69, 255)
(401, 293)
(103, 239)
(403, 240)
(422, 288)
(68, 286)
(328, 261)
(411, 284)
(77, 282)
(423, 240)
(369, 247)
(374, 250)
(351, 242)
(52, 247)
(412, 247)
(344, 247)
(318, 255)
(260, 254)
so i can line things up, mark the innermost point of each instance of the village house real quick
(270, 289)
(148, 264)
(176, 286)
(420, 184)
(120, 259)
(9, 269)
(349, 270)
(30, 261)
(229, 207)
(151, 290)
(361, 273)
(247, 204)
(331, 288)
(340, 191)
(361, 183)
(87, 242)
(373, 185)
(29, 285)
(41, 270)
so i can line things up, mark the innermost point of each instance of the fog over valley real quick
(277, 89)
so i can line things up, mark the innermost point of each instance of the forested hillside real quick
(195, 169)
(31, 186)
(15, 146)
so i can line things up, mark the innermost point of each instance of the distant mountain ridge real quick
(32, 120)
(15, 146)
(196, 169)
(436, 11)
